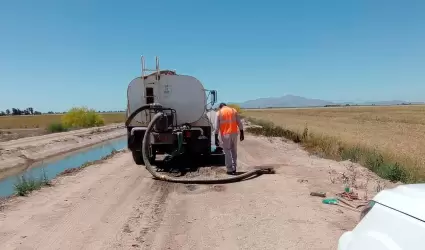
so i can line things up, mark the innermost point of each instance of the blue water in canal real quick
(52, 169)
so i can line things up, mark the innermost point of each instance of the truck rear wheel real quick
(138, 157)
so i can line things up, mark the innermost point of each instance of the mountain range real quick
(298, 101)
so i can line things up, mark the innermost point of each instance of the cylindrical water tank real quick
(183, 93)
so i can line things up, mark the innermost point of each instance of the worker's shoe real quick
(231, 172)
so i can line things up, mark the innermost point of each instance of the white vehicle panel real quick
(409, 198)
(394, 222)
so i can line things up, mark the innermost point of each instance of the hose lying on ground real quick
(162, 177)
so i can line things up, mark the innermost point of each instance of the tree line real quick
(16, 111)
(31, 111)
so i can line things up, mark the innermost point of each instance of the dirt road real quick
(117, 205)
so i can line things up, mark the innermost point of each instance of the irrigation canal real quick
(52, 168)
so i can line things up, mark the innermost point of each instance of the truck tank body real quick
(183, 93)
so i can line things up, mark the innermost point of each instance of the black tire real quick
(138, 158)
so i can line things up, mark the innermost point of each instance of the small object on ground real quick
(347, 207)
(347, 189)
(331, 201)
(319, 194)
(362, 205)
(346, 203)
(349, 195)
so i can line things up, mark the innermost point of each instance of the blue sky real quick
(59, 54)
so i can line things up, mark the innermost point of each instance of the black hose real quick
(137, 111)
(187, 180)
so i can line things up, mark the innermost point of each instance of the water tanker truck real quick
(185, 125)
(170, 114)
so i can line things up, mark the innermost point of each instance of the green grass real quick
(77, 118)
(56, 128)
(330, 147)
(27, 184)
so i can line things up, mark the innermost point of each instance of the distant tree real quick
(50, 112)
(16, 111)
(2, 113)
(7, 112)
(31, 110)
(37, 113)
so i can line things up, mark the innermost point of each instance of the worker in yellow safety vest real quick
(229, 124)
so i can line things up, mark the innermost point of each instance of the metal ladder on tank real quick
(151, 70)
(157, 71)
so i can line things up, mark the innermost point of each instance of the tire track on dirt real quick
(142, 225)
(86, 213)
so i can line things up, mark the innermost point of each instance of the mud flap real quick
(216, 158)
(216, 150)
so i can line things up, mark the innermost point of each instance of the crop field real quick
(43, 121)
(396, 131)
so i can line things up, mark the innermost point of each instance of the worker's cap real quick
(222, 105)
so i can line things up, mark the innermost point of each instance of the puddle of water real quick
(52, 169)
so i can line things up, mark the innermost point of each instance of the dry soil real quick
(117, 205)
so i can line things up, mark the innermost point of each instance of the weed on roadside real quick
(56, 128)
(379, 186)
(269, 129)
(330, 147)
(27, 184)
(96, 131)
(365, 186)
(332, 178)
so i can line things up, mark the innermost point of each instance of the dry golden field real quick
(398, 131)
(43, 121)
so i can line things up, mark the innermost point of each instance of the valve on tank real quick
(162, 124)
